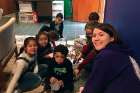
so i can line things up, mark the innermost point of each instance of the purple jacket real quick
(112, 72)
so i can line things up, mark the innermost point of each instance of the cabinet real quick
(43, 8)
(57, 7)
(9, 6)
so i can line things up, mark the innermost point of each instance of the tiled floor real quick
(71, 29)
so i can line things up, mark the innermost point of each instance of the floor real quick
(71, 29)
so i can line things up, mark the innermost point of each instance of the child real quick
(57, 25)
(61, 72)
(25, 63)
(88, 52)
(93, 17)
(44, 50)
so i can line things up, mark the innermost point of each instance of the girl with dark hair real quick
(115, 70)
(25, 63)
(45, 49)
(93, 17)
(88, 52)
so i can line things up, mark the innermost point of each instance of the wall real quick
(9, 6)
(125, 16)
(82, 8)
(68, 8)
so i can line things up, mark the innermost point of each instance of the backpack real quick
(31, 64)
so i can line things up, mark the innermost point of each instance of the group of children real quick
(42, 57)
(37, 52)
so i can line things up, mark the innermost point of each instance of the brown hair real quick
(109, 29)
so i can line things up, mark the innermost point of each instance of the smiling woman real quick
(113, 71)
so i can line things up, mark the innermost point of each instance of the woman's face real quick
(31, 48)
(43, 40)
(101, 39)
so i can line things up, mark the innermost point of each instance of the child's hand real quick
(49, 55)
(61, 83)
(53, 80)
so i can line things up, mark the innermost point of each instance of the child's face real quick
(58, 20)
(89, 32)
(31, 48)
(59, 57)
(43, 40)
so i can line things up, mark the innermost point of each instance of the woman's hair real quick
(109, 29)
(26, 42)
(62, 49)
(93, 16)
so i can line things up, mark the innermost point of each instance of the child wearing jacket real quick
(25, 63)
(61, 72)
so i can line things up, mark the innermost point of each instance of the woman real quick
(113, 71)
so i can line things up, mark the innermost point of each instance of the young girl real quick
(25, 63)
(44, 51)
(88, 52)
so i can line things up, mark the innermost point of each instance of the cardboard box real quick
(26, 17)
(25, 7)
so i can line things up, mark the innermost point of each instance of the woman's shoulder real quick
(111, 50)
(112, 56)
(106, 53)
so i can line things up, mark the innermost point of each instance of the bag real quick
(55, 86)
(135, 66)
(31, 64)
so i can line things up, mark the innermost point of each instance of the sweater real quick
(112, 72)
